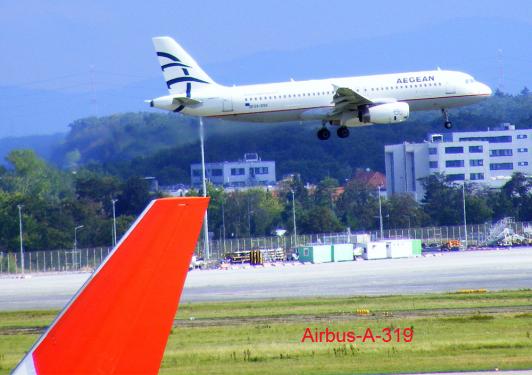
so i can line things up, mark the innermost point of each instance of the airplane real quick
(343, 102)
(120, 319)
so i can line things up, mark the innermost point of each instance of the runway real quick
(492, 270)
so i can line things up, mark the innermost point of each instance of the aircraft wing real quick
(347, 100)
(120, 319)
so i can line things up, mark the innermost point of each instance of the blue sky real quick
(66, 59)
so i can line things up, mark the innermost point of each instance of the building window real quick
(454, 163)
(476, 163)
(501, 152)
(476, 176)
(522, 136)
(454, 150)
(196, 173)
(499, 139)
(433, 164)
(475, 149)
(433, 151)
(216, 172)
(261, 170)
(456, 177)
(501, 166)
(522, 163)
(238, 171)
(522, 149)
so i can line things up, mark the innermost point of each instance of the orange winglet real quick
(119, 321)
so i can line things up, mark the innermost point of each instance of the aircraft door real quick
(228, 105)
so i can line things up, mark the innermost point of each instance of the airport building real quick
(248, 172)
(485, 157)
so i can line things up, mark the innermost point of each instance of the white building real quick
(487, 157)
(251, 171)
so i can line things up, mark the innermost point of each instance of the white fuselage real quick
(313, 99)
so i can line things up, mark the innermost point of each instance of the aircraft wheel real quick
(448, 124)
(324, 134)
(342, 132)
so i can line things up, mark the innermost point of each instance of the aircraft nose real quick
(486, 90)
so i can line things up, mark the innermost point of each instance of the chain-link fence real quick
(88, 259)
(53, 260)
(477, 235)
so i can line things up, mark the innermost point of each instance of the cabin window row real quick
(405, 86)
(284, 96)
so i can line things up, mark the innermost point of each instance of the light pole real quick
(204, 180)
(380, 212)
(20, 234)
(465, 218)
(223, 220)
(76, 236)
(113, 201)
(294, 216)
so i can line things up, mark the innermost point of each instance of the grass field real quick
(451, 332)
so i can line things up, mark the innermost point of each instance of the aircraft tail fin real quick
(181, 72)
(119, 321)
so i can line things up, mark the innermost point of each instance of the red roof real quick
(371, 178)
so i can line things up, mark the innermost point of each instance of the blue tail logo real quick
(186, 78)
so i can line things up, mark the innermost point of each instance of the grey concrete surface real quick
(493, 270)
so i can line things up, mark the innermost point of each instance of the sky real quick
(62, 60)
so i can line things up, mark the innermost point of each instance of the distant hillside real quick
(294, 147)
(43, 145)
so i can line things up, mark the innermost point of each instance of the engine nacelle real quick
(388, 113)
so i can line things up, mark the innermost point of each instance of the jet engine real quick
(388, 113)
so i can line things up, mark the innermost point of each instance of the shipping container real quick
(399, 248)
(416, 248)
(325, 253)
(342, 252)
(361, 238)
(315, 254)
(375, 250)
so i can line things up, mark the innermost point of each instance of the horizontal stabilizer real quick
(170, 102)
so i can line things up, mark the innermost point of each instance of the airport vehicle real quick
(451, 245)
(120, 319)
(342, 102)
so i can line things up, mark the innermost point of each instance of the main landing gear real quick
(342, 132)
(448, 124)
(324, 133)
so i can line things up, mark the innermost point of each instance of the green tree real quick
(32, 176)
(358, 206)
(442, 201)
(518, 190)
(320, 219)
(97, 187)
(135, 196)
(324, 195)
(403, 211)
(478, 210)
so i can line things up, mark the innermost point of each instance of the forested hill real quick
(43, 145)
(164, 145)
